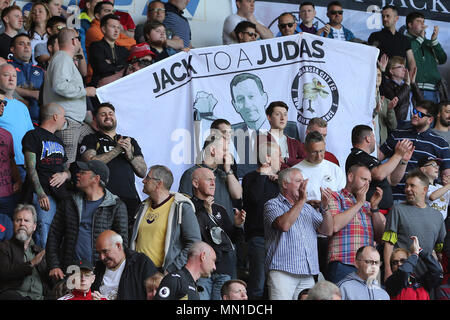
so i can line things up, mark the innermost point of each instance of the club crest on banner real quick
(314, 94)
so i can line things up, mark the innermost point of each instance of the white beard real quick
(22, 236)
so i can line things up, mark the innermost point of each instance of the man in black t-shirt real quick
(13, 22)
(122, 155)
(391, 42)
(47, 169)
(383, 174)
(181, 285)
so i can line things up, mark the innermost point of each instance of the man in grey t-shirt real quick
(413, 218)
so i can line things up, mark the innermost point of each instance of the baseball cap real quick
(140, 50)
(84, 265)
(423, 161)
(97, 167)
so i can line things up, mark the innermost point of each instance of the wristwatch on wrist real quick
(229, 172)
(403, 162)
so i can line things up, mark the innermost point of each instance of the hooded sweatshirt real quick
(354, 288)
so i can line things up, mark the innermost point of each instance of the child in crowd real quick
(438, 196)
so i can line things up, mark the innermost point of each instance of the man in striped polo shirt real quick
(291, 226)
(426, 143)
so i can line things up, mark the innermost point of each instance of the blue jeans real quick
(212, 286)
(8, 204)
(45, 219)
(257, 276)
(337, 271)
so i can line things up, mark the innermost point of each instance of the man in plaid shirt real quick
(356, 222)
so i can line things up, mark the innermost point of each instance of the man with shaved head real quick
(181, 285)
(47, 168)
(121, 272)
(64, 85)
(16, 117)
(217, 230)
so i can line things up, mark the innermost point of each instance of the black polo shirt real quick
(360, 156)
(178, 285)
(121, 173)
(392, 44)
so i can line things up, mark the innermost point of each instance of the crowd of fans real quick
(297, 225)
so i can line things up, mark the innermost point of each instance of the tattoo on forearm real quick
(104, 157)
(139, 166)
(30, 161)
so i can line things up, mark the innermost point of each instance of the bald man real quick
(217, 230)
(181, 285)
(64, 85)
(47, 167)
(16, 117)
(121, 272)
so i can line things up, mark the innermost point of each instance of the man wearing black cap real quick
(80, 219)
(80, 282)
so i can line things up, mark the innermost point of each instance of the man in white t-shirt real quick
(121, 273)
(438, 195)
(245, 11)
(320, 173)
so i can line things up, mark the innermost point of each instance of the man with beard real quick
(362, 284)
(181, 284)
(122, 155)
(425, 142)
(23, 271)
(442, 124)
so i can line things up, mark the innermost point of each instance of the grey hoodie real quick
(354, 288)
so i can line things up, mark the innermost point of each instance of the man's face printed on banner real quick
(248, 101)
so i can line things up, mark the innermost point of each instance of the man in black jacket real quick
(105, 57)
(23, 271)
(217, 230)
(259, 186)
(80, 220)
(121, 273)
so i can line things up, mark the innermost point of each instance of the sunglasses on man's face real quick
(284, 25)
(251, 34)
(3, 102)
(420, 114)
(333, 12)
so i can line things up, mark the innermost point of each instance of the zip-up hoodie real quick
(354, 288)
(182, 231)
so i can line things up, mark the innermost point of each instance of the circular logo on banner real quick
(314, 94)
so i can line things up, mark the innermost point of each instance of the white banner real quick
(314, 76)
